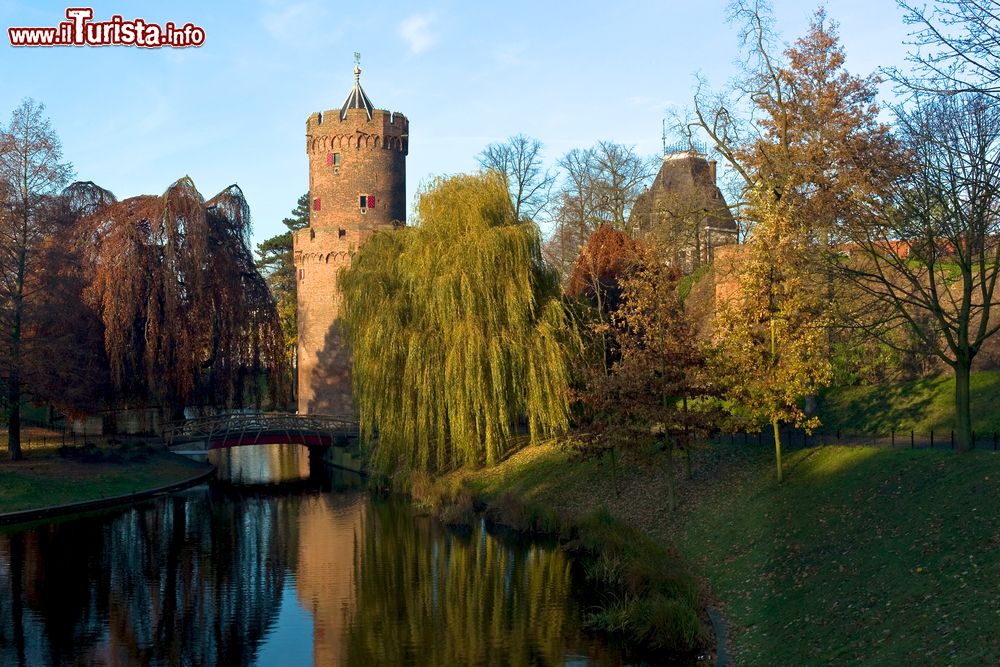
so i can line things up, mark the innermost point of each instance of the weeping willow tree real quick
(457, 331)
(187, 318)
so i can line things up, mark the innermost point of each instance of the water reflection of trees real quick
(167, 584)
(429, 596)
(197, 579)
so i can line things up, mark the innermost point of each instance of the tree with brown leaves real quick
(654, 387)
(813, 158)
(607, 258)
(814, 142)
(31, 171)
(187, 318)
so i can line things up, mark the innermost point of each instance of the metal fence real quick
(35, 436)
(902, 439)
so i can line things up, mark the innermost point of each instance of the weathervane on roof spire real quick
(357, 65)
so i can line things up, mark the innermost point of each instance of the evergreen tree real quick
(275, 262)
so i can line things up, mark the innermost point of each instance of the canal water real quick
(275, 564)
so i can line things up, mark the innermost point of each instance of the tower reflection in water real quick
(265, 573)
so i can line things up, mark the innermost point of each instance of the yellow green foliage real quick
(772, 348)
(457, 331)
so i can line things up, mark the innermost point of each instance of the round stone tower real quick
(357, 185)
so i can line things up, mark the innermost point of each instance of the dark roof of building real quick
(689, 174)
(357, 99)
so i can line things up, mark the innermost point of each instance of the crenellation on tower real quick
(357, 186)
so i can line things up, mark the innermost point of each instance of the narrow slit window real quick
(336, 159)
(302, 274)
(341, 233)
(364, 202)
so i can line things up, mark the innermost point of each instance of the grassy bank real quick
(919, 405)
(47, 478)
(863, 556)
(648, 594)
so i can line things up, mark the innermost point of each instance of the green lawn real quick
(920, 405)
(46, 479)
(864, 556)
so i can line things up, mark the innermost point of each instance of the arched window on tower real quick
(333, 160)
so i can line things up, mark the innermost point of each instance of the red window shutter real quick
(329, 159)
(316, 204)
(371, 201)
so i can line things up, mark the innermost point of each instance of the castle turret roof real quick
(357, 99)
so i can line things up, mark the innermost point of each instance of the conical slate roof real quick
(357, 98)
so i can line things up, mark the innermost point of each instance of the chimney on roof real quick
(711, 170)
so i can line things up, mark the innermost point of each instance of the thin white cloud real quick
(416, 32)
(287, 22)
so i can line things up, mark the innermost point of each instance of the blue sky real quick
(464, 73)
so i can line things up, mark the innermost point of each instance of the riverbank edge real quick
(450, 500)
(50, 511)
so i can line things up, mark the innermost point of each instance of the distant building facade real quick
(357, 186)
(684, 212)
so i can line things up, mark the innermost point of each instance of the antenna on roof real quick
(689, 146)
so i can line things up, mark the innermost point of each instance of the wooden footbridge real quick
(262, 428)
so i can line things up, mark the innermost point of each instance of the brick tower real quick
(357, 185)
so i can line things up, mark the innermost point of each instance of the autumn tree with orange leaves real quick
(647, 374)
(811, 157)
(604, 261)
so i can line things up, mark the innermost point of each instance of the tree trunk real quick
(14, 380)
(963, 412)
(774, 420)
(671, 477)
(14, 420)
(777, 446)
(687, 439)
